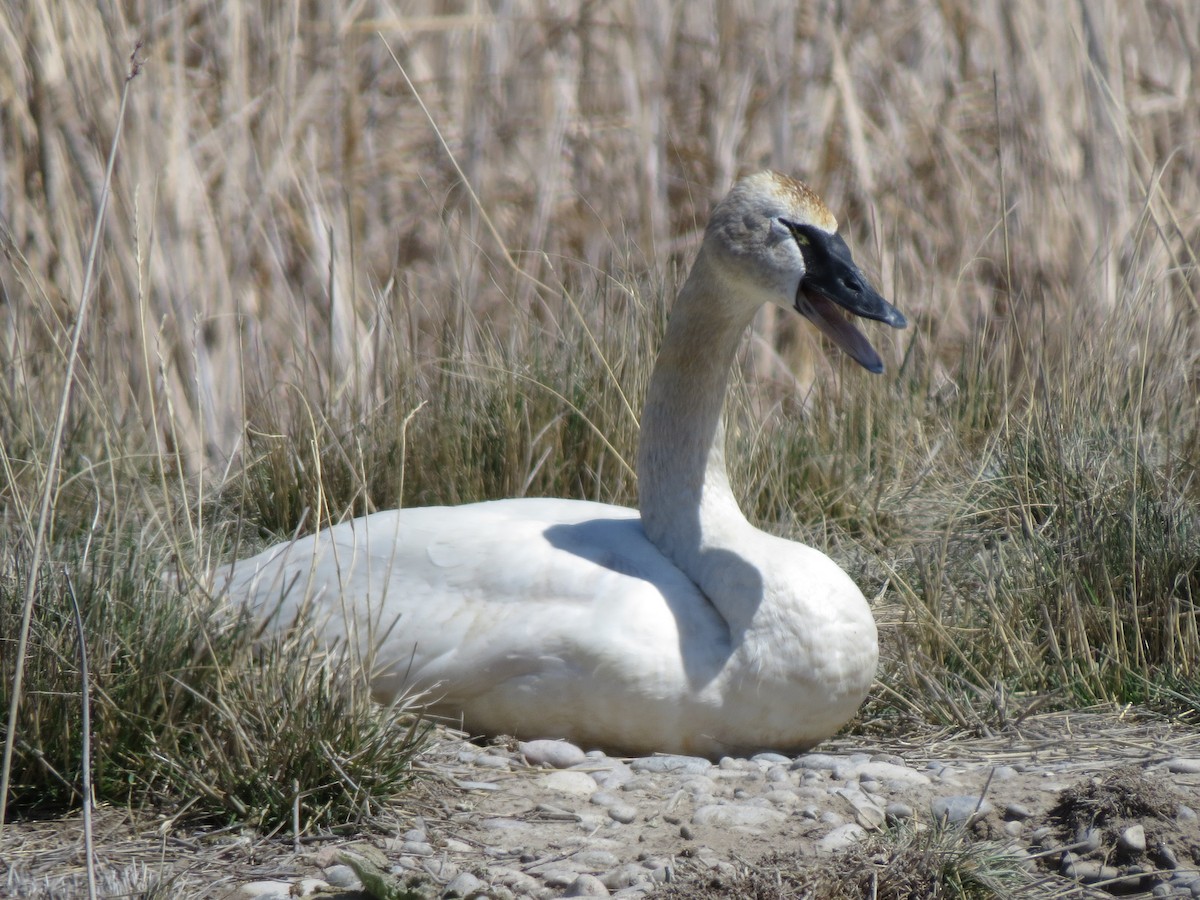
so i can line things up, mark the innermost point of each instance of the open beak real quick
(833, 286)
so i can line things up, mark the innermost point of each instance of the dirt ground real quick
(1048, 783)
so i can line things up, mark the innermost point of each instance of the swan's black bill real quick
(832, 283)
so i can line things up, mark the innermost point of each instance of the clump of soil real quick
(1111, 800)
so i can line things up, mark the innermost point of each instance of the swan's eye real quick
(800, 237)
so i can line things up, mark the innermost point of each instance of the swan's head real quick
(776, 242)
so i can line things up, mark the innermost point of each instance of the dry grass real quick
(292, 267)
(901, 863)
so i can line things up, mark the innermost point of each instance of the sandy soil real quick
(521, 832)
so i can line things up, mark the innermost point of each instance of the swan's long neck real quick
(688, 509)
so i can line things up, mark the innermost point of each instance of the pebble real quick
(1133, 840)
(342, 877)
(819, 761)
(555, 754)
(609, 773)
(691, 765)
(772, 759)
(890, 772)
(1090, 841)
(841, 837)
(736, 816)
(624, 876)
(587, 886)
(1017, 812)
(1183, 765)
(1088, 870)
(567, 781)
(623, 813)
(268, 890)
(464, 885)
(898, 812)
(586, 824)
(958, 810)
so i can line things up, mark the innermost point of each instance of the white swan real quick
(683, 629)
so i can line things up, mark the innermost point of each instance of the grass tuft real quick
(902, 863)
(189, 715)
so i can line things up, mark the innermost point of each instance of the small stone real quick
(1017, 812)
(604, 798)
(559, 879)
(622, 812)
(889, 772)
(267, 890)
(898, 812)
(1004, 773)
(775, 759)
(341, 876)
(610, 773)
(624, 876)
(1185, 813)
(417, 848)
(1166, 857)
(578, 784)
(778, 774)
(1089, 871)
(464, 884)
(958, 810)
(818, 761)
(1182, 765)
(513, 879)
(586, 886)
(555, 754)
(1133, 840)
(595, 859)
(662, 874)
(736, 815)
(1014, 828)
(679, 765)
(841, 837)
(685, 832)
(1091, 840)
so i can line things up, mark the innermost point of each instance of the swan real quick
(681, 628)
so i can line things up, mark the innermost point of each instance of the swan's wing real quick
(471, 598)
